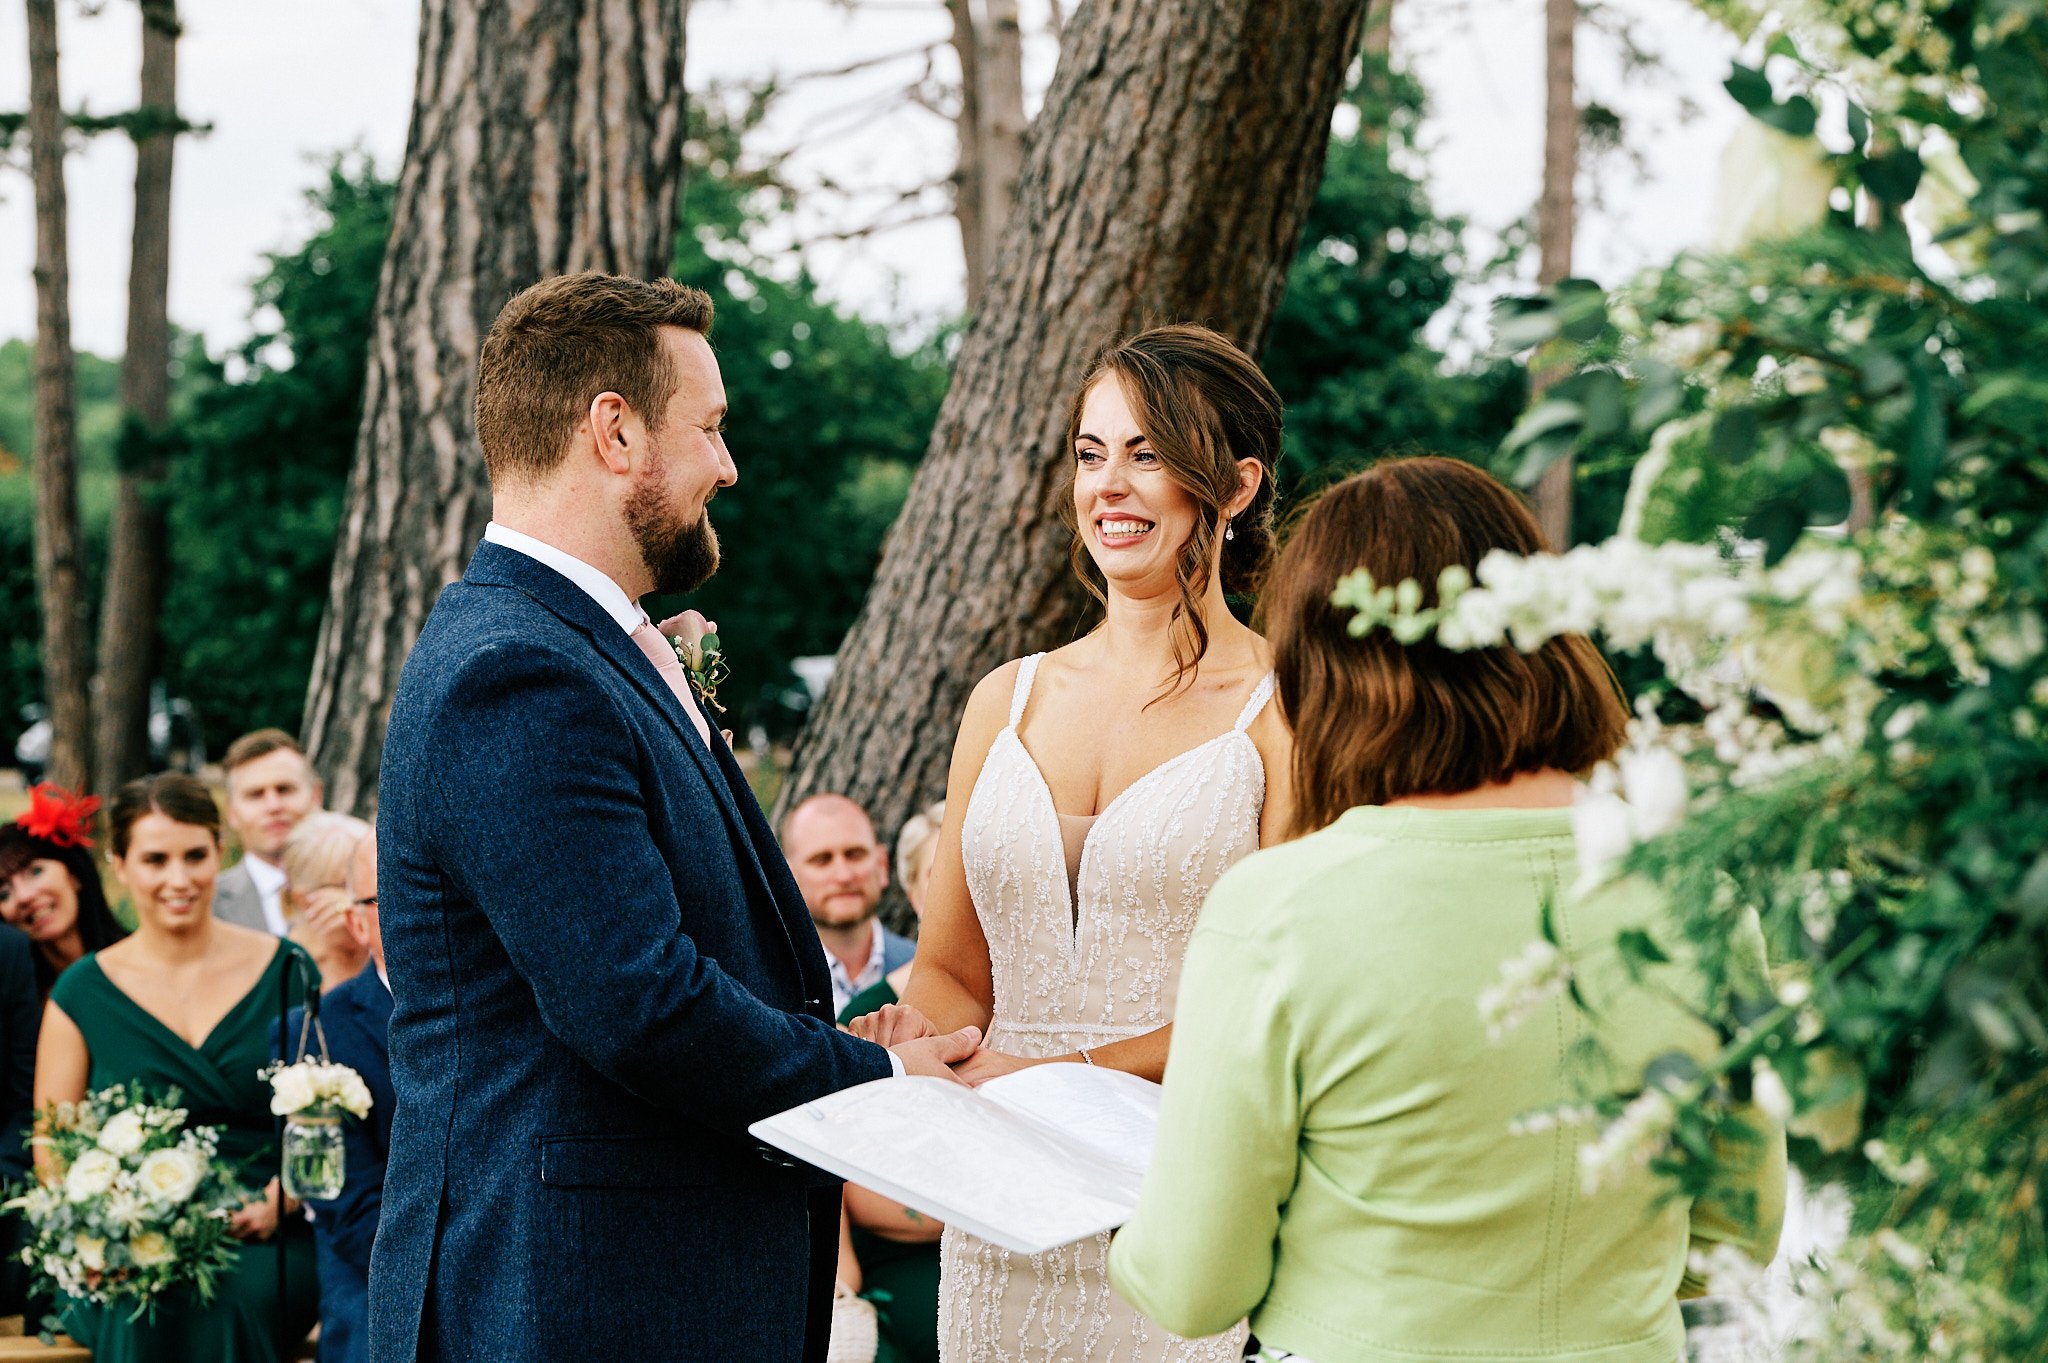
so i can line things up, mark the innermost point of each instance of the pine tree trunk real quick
(1000, 110)
(1556, 226)
(137, 556)
(60, 577)
(547, 137)
(1167, 179)
(967, 170)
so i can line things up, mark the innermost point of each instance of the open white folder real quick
(1035, 1159)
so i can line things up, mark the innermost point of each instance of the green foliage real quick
(828, 420)
(259, 467)
(1376, 263)
(98, 418)
(1899, 870)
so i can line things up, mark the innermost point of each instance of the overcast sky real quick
(287, 84)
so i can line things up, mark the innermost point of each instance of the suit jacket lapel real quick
(498, 566)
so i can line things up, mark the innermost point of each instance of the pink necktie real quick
(663, 655)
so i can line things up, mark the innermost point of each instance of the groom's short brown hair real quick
(560, 343)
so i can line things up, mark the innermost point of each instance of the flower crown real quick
(55, 815)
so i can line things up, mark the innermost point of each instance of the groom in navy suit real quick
(601, 967)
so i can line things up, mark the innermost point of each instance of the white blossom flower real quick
(90, 1175)
(91, 1251)
(151, 1249)
(291, 1090)
(1772, 1098)
(170, 1177)
(1636, 1137)
(1537, 973)
(1603, 830)
(124, 1133)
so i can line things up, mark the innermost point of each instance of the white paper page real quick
(954, 1154)
(1113, 1114)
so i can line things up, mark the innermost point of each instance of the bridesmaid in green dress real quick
(187, 1002)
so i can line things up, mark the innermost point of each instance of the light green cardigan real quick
(1334, 1156)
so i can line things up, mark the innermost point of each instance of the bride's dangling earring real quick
(1229, 532)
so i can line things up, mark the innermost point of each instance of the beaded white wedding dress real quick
(1084, 962)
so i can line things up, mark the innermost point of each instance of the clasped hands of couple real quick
(958, 1056)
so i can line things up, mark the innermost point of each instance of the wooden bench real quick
(14, 1344)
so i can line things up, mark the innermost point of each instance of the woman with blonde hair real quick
(1098, 791)
(316, 858)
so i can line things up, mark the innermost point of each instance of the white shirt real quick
(609, 595)
(598, 586)
(269, 883)
(844, 985)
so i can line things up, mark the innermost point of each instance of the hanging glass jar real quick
(315, 1162)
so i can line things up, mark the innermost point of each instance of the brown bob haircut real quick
(560, 343)
(1375, 721)
(1204, 404)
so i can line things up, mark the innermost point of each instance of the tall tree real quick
(990, 126)
(545, 139)
(137, 559)
(60, 574)
(1557, 224)
(1167, 180)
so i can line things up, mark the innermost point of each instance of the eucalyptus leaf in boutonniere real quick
(695, 641)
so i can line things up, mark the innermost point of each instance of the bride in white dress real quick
(1097, 792)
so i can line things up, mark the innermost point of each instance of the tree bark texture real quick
(60, 569)
(1167, 179)
(137, 554)
(1556, 227)
(547, 137)
(967, 161)
(1000, 109)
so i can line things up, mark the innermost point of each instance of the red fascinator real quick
(56, 815)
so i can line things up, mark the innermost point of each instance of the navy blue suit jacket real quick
(603, 973)
(355, 1017)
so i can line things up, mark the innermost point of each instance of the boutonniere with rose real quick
(695, 641)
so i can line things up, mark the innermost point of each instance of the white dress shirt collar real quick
(596, 585)
(269, 883)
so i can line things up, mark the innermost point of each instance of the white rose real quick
(354, 1094)
(169, 1177)
(91, 1174)
(91, 1251)
(123, 1134)
(291, 1090)
(151, 1250)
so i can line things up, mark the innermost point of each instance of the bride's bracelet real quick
(1086, 1058)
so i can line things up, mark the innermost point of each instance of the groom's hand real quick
(893, 1024)
(933, 1056)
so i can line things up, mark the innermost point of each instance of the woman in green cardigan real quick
(1334, 1155)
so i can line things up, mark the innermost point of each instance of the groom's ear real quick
(605, 426)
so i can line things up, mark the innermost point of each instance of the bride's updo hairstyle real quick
(1375, 720)
(1203, 404)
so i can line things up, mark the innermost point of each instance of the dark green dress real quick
(902, 1280)
(221, 1088)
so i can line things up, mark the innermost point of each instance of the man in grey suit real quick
(271, 786)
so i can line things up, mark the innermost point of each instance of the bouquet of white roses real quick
(137, 1204)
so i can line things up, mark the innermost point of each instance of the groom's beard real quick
(680, 558)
